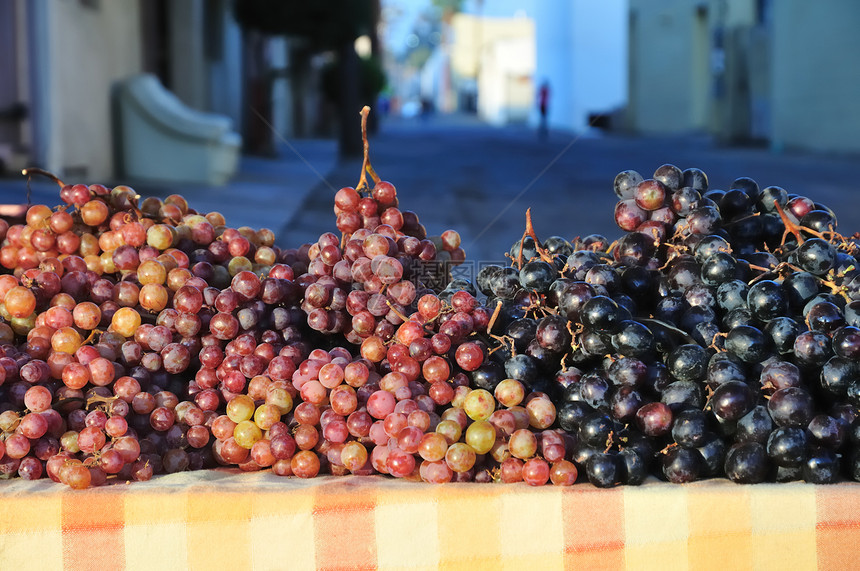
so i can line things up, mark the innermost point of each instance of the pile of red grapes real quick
(143, 337)
(719, 337)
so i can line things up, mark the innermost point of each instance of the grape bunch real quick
(115, 316)
(718, 337)
(360, 283)
(143, 337)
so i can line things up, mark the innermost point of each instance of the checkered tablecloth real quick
(221, 519)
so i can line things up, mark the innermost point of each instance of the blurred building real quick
(746, 70)
(63, 59)
(493, 56)
(492, 64)
(582, 52)
(815, 85)
(492, 60)
(60, 62)
(671, 65)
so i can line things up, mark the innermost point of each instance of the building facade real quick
(60, 62)
(815, 78)
(687, 69)
(780, 73)
(494, 59)
(497, 57)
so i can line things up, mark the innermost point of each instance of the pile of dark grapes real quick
(719, 337)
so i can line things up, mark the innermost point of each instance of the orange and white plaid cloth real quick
(223, 519)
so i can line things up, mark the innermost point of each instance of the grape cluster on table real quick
(718, 337)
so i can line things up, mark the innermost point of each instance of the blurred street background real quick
(480, 108)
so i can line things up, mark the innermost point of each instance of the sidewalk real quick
(457, 173)
(265, 193)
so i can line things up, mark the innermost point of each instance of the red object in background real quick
(13, 210)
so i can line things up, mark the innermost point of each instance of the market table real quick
(226, 519)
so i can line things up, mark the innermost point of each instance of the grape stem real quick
(742, 219)
(34, 170)
(530, 229)
(397, 312)
(709, 393)
(496, 473)
(760, 268)
(495, 316)
(789, 225)
(656, 236)
(713, 344)
(612, 247)
(519, 259)
(835, 289)
(530, 232)
(366, 167)
(96, 399)
(503, 341)
(796, 229)
(566, 268)
(767, 386)
(574, 335)
(503, 344)
(28, 282)
(680, 229)
(668, 447)
(90, 338)
(674, 250)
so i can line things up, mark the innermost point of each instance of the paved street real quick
(479, 180)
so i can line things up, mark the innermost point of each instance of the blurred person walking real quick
(543, 106)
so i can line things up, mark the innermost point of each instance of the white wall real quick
(661, 74)
(554, 43)
(501, 51)
(281, 100)
(225, 75)
(89, 49)
(684, 78)
(600, 57)
(582, 52)
(187, 75)
(505, 86)
(816, 86)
